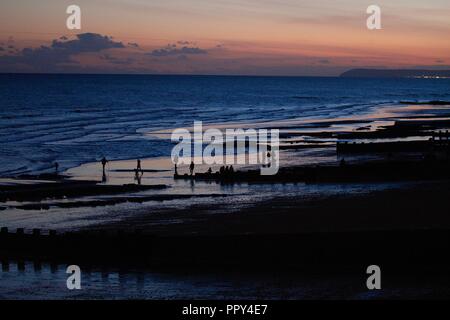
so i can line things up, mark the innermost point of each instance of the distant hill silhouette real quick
(394, 73)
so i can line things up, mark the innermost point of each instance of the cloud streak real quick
(59, 52)
(174, 50)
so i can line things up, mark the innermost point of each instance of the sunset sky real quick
(254, 37)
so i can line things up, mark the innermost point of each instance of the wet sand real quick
(412, 207)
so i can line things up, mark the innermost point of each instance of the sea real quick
(76, 119)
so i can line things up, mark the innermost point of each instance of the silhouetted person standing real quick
(104, 162)
(56, 167)
(175, 162)
(138, 167)
(191, 167)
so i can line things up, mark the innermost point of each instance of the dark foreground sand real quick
(414, 207)
(401, 228)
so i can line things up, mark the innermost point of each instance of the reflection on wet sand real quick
(304, 142)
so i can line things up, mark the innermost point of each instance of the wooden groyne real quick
(426, 169)
(396, 248)
(439, 141)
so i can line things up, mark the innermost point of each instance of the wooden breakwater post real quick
(441, 138)
(97, 247)
(21, 244)
(310, 250)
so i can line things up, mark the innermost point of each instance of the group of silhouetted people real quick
(226, 170)
(191, 169)
(138, 172)
(223, 171)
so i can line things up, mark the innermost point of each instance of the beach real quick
(366, 174)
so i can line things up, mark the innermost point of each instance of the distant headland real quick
(395, 73)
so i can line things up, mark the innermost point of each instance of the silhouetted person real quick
(231, 169)
(56, 167)
(221, 170)
(104, 162)
(191, 168)
(209, 170)
(138, 166)
(175, 163)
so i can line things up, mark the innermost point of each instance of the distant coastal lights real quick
(430, 77)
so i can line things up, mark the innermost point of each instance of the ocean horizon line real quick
(342, 75)
(167, 75)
